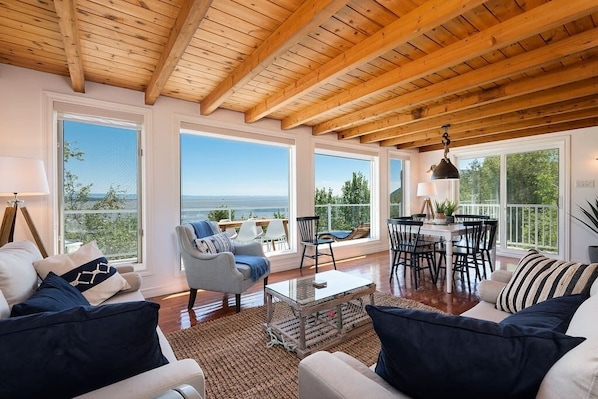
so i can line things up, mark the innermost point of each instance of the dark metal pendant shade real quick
(445, 170)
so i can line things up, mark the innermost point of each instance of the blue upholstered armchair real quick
(229, 272)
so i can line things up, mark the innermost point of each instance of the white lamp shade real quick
(23, 176)
(426, 189)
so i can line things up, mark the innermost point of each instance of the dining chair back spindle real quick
(409, 248)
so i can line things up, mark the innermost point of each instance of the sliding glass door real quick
(522, 189)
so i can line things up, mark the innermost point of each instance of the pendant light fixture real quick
(445, 169)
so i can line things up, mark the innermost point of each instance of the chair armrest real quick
(252, 248)
(503, 276)
(489, 290)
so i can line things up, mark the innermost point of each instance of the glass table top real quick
(302, 290)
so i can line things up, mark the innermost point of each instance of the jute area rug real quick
(233, 355)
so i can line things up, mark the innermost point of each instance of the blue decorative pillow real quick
(54, 294)
(77, 350)
(554, 313)
(426, 354)
(215, 244)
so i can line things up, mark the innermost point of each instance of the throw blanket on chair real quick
(258, 265)
(202, 228)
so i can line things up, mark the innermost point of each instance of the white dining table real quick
(448, 232)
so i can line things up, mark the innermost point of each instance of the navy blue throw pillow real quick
(53, 294)
(77, 350)
(426, 354)
(554, 313)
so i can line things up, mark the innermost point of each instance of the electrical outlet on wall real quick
(584, 183)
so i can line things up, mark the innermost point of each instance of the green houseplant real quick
(591, 213)
(440, 211)
(449, 209)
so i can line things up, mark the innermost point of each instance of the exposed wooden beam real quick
(309, 16)
(535, 21)
(67, 20)
(185, 26)
(507, 134)
(499, 70)
(565, 83)
(511, 122)
(424, 18)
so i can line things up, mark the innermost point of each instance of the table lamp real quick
(426, 189)
(21, 177)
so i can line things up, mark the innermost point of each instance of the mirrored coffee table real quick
(317, 318)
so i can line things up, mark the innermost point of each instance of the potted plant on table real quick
(592, 215)
(440, 217)
(449, 209)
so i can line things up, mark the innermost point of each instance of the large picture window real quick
(396, 184)
(343, 193)
(227, 178)
(99, 177)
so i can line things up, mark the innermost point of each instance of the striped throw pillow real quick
(215, 244)
(538, 278)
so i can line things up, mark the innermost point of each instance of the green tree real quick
(356, 192)
(221, 213)
(116, 233)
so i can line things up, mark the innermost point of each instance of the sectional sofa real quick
(574, 375)
(50, 350)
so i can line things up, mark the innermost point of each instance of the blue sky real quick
(211, 166)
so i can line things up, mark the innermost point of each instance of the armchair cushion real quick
(215, 244)
(538, 278)
(87, 270)
(426, 354)
(77, 350)
(54, 294)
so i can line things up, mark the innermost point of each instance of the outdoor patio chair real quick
(275, 234)
(228, 272)
(308, 233)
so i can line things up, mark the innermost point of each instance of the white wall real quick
(26, 131)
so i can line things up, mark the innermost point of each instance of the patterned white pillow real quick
(215, 244)
(538, 278)
(87, 270)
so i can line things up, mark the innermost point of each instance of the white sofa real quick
(325, 375)
(178, 378)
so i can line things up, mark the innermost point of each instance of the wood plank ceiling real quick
(390, 72)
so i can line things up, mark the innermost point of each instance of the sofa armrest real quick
(489, 290)
(180, 392)
(322, 375)
(124, 268)
(154, 382)
(134, 280)
(503, 276)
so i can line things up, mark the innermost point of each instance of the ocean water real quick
(198, 207)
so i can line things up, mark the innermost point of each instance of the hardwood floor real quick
(211, 305)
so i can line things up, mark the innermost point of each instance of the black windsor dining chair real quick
(308, 233)
(409, 248)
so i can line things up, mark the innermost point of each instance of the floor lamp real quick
(24, 177)
(427, 189)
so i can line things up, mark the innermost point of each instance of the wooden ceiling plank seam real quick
(518, 95)
(134, 15)
(245, 27)
(500, 70)
(67, 20)
(186, 24)
(307, 17)
(493, 38)
(422, 19)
